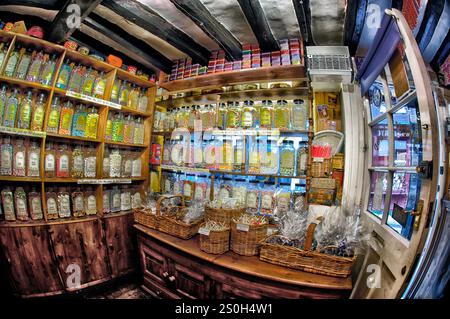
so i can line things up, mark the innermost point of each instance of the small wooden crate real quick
(337, 162)
(321, 168)
(222, 215)
(305, 259)
(215, 242)
(245, 239)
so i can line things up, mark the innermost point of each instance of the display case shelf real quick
(273, 73)
(74, 138)
(20, 179)
(21, 132)
(25, 84)
(123, 144)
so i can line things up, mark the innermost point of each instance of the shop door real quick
(400, 187)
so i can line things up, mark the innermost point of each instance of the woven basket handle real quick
(166, 197)
(310, 233)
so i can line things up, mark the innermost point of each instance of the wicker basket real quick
(178, 228)
(246, 242)
(222, 215)
(217, 242)
(305, 259)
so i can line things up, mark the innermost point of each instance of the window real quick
(396, 144)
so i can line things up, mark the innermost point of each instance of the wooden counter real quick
(176, 268)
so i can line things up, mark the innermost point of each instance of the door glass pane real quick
(377, 100)
(407, 135)
(405, 194)
(380, 144)
(378, 188)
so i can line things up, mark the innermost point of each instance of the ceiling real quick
(155, 32)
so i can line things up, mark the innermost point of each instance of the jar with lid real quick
(127, 164)
(20, 200)
(90, 162)
(136, 170)
(299, 115)
(33, 160)
(115, 164)
(63, 161)
(249, 117)
(106, 201)
(35, 204)
(302, 160)
(239, 155)
(193, 116)
(269, 159)
(52, 203)
(19, 158)
(282, 115)
(287, 159)
(115, 199)
(78, 208)
(254, 158)
(125, 199)
(77, 162)
(266, 115)
(8, 204)
(106, 164)
(50, 160)
(90, 201)
(64, 203)
(222, 116)
(233, 115)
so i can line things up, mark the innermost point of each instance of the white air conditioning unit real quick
(329, 66)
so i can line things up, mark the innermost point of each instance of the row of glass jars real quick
(234, 115)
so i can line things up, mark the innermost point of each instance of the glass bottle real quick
(19, 159)
(13, 60)
(50, 160)
(25, 109)
(12, 105)
(106, 201)
(63, 198)
(115, 200)
(3, 51)
(6, 157)
(48, 70)
(125, 199)
(51, 200)
(302, 160)
(24, 64)
(143, 101)
(222, 116)
(128, 130)
(136, 200)
(106, 164)
(77, 162)
(139, 132)
(63, 161)
(20, 200)
(239, 156)
(233, 115)
(100, 86)
(248, 115)
(37, 119)
(282, 115)
(76, 79)
(270, 159)
(8, 204)
(65, 122)
(53, 117)
(287, 159)
(299, 115)
(79, 121)
(78, 209)
(127, 165)
(92, 123)
(64, 75)
(90, 161)
(117, 128)
(266, 115)
(2, 102)
(133, 98)
(254, 158)
(36, 66)
(109, 126)
(35, 204)
(90, 201)
(115, 91)
(124, 93)
(115, 162)
(136, 170)
(33, 160)
(88, 81)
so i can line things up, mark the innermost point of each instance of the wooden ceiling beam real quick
(144, 17)
(67, 21)
(133, 44)
(200, 15)
(258, 22)
(303, 12)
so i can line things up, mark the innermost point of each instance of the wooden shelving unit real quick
(103, 106)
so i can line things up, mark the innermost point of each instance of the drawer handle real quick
(172, 278)
(165, 274)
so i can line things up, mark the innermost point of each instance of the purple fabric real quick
(384, 44)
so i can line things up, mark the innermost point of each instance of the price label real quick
(93, 99)
(203, 231)
(242, 227)
(318, 159)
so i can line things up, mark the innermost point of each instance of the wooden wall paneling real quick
(120, 244)
(32, 267)
(81, 243)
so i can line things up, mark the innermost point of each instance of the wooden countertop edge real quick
(310, 280)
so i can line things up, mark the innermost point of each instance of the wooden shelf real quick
(125, 75)
(256, 174)
(128, 145)
(274, 93)
(61, 180)
(74, 138)
(25, 84)
(208, 98)
(59, 221)
(273, 73)
(134, 112)
(21, 132)
(20, 179)
(182, 169)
